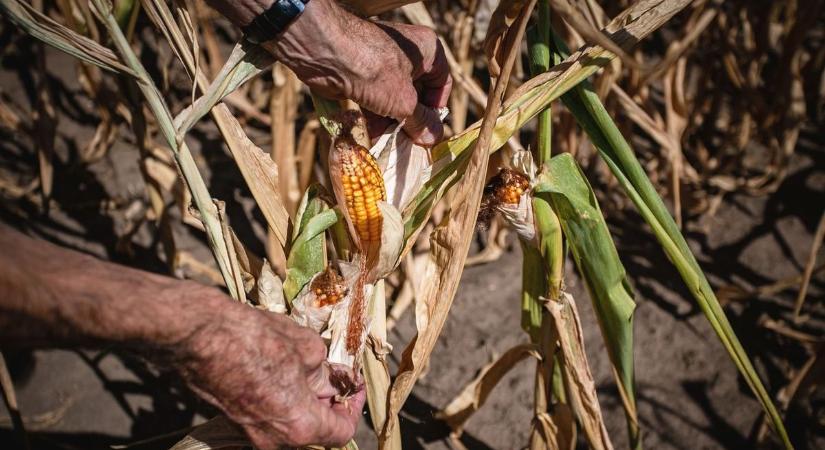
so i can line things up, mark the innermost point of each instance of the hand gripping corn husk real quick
(371, 186)
(508, 193)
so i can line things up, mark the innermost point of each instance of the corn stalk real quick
(591, 115)
(561, 196)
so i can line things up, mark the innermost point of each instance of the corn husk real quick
(306, 310)
(519, 217)
(271, 290)
(392, 241)
(342, 318)
(406, 166)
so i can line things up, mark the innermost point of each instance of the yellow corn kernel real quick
(506, 188)
(510, 185)
(328, 287)
(363, 188)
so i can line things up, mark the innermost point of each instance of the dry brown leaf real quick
(214, 434)
(376, 371)
(819, 235)
(239, 293)
(450, 243)
(305, 154)
(283, 110)
(44, 28)
(554, 432)
(475, 393)
(578, 20)
(259, 170)
(578, 381)
(679, 46)
(503, 18)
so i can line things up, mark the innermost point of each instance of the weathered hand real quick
(270, 376)
(392, 70)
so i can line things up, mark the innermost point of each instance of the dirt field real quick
(689, 392)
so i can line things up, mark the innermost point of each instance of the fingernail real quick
(426, 138)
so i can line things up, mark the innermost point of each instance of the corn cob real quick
(509, 186)
(359, 186)
(506, 188)
(363, 187)
(328, 287)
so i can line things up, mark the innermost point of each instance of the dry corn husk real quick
(306, 310)
(271, 290)
(406, 166)
(519, 217)
(348, 328)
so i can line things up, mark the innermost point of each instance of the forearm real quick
(50, 296)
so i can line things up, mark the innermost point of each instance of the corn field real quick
(567, 116)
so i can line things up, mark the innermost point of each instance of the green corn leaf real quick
(245, 62)
(308, 253)
(533, 287)
(592, 116)
(530, 99)
(564, 185)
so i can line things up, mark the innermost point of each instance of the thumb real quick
(424, 126)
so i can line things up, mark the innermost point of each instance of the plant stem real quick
(592, 116)
(548, 227)
(200, 193)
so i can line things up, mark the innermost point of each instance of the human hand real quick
(268, 375)
(392, 70)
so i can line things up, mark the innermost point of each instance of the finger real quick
(424, 126)
(436, 82)
(353, 406)
(339, 422)
(376, 125)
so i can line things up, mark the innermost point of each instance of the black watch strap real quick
(272, 22)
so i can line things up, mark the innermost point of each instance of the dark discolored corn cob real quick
(328, 287)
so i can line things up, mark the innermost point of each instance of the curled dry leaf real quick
(578, 20)
(473, 396)
(450, 242)
(502, 19)
(578, 380)
(47, 30)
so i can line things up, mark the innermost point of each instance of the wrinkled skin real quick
(271, 377)
(261, 369)
(395, 71)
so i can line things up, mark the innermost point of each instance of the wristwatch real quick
(272, 22)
